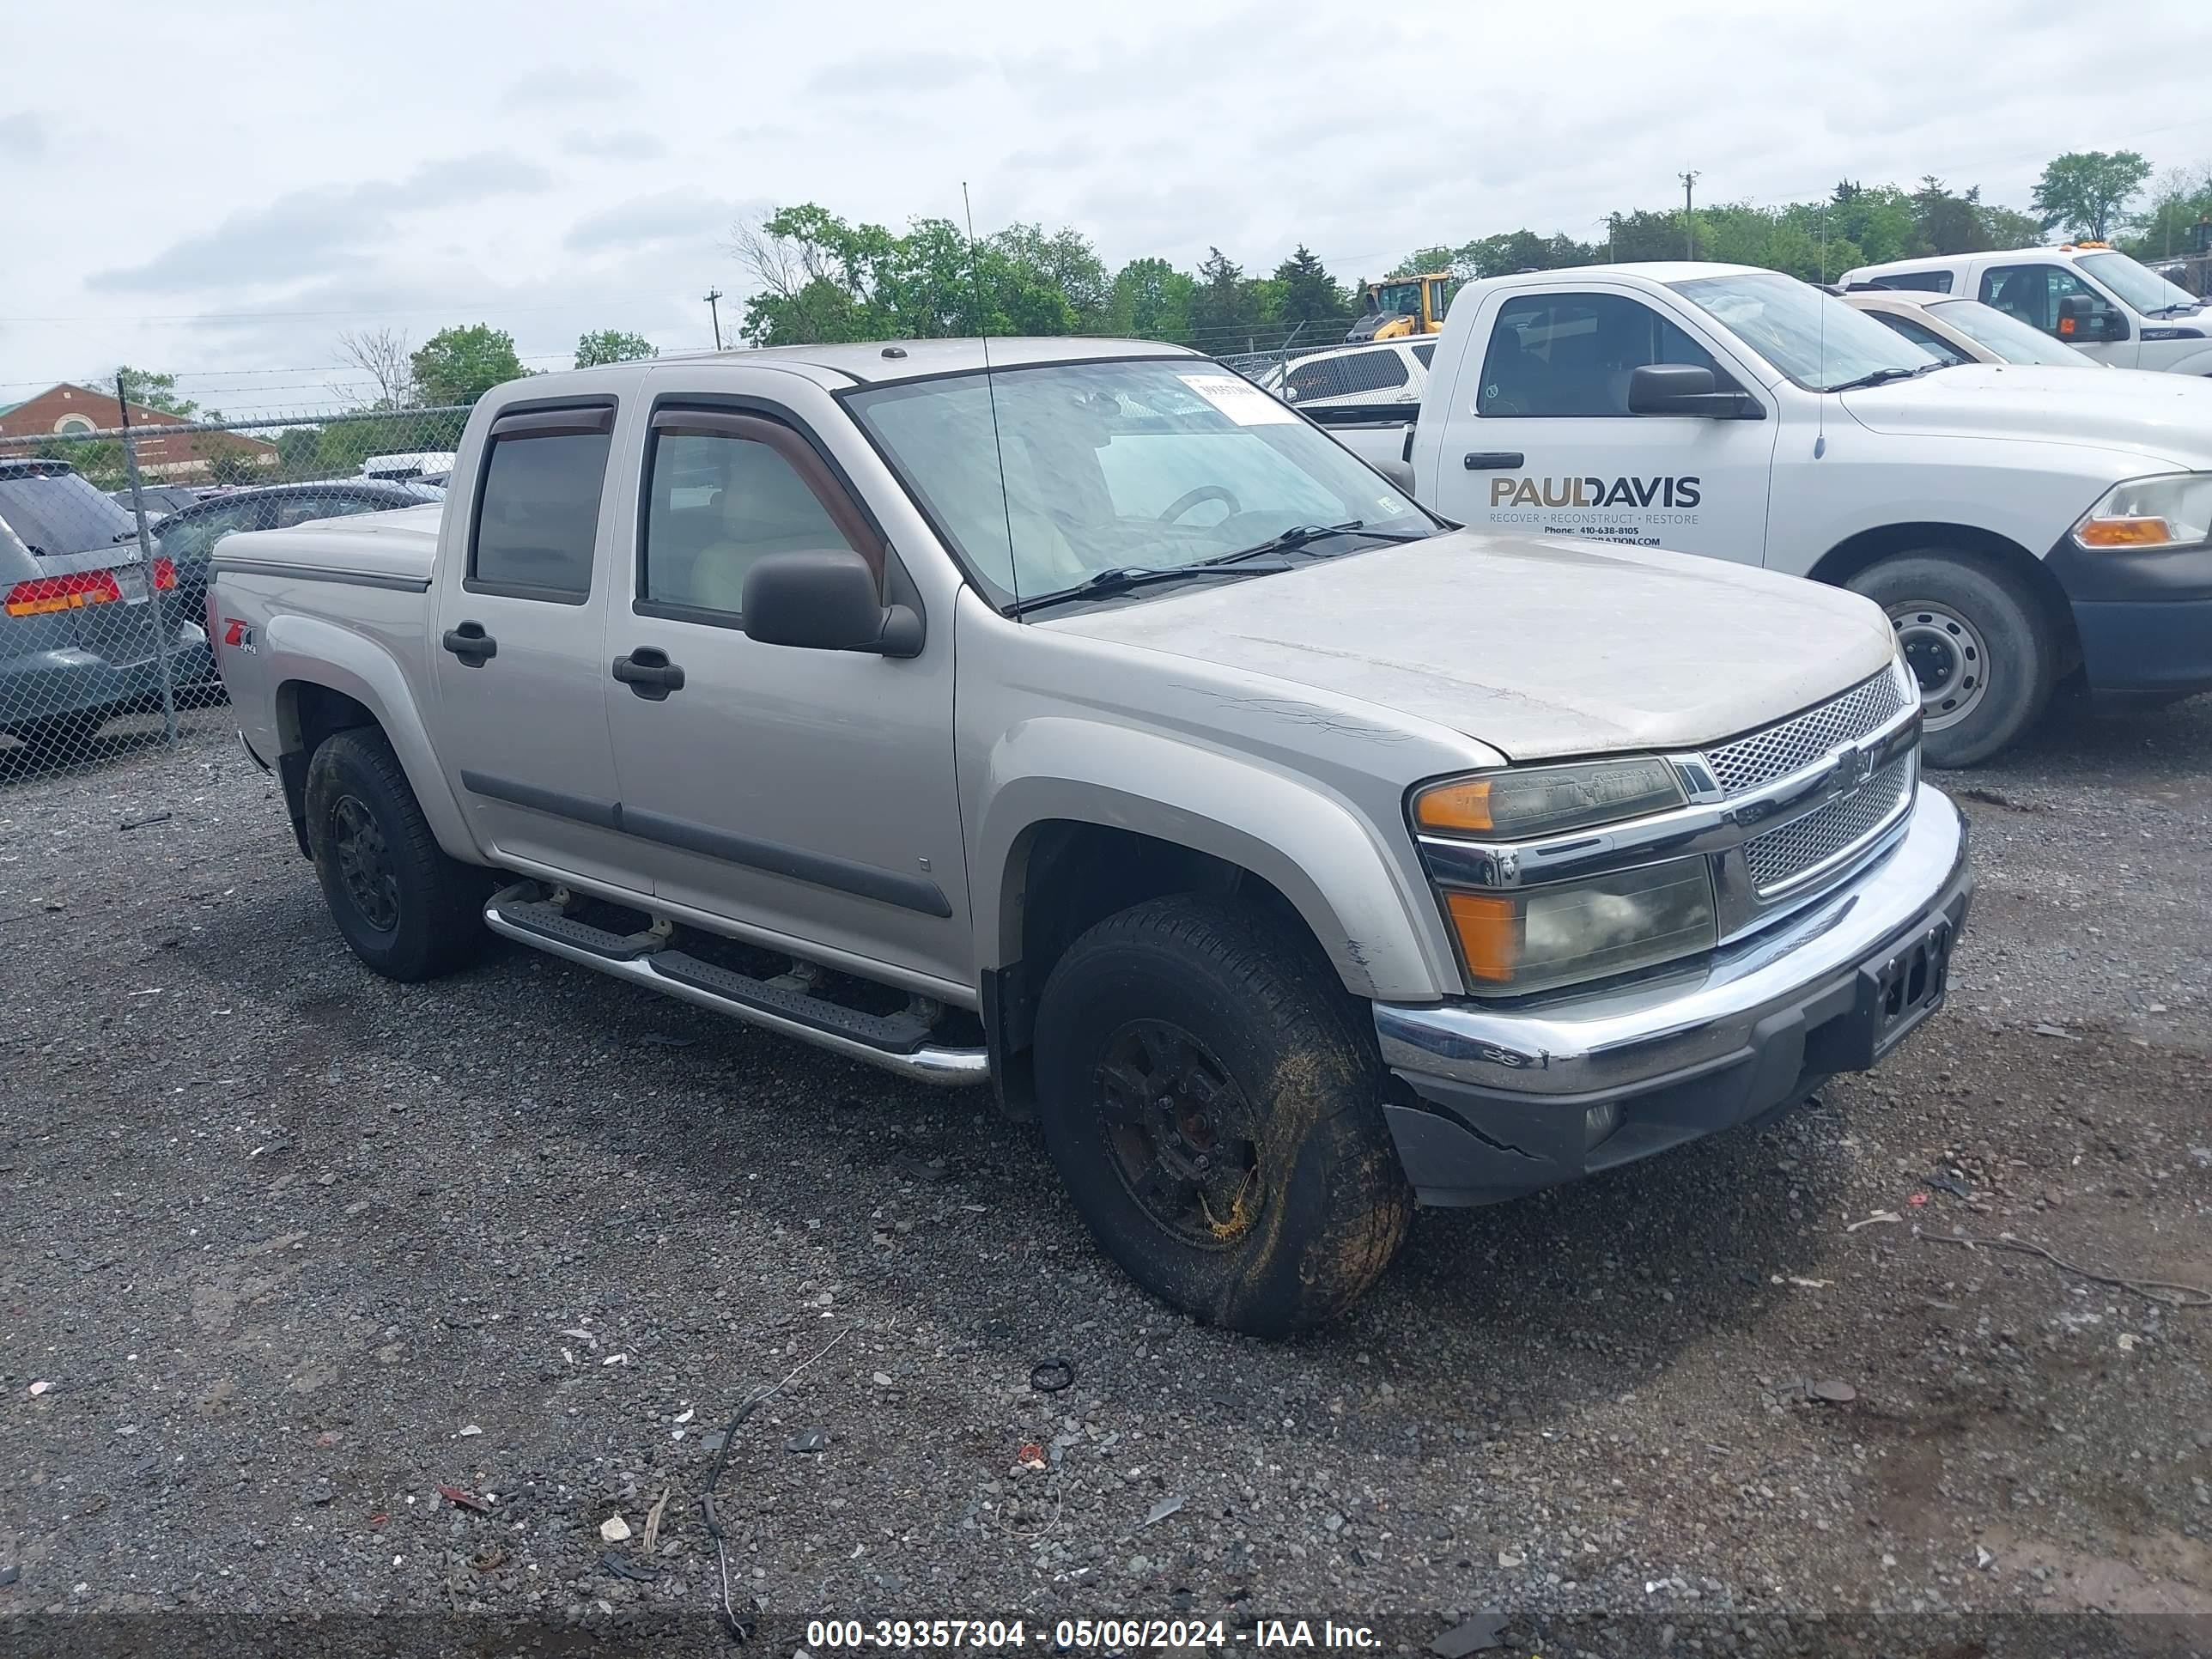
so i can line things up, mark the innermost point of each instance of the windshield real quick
(2005, 335)
(1813, 338)
(1153, 465)
(2138, 284)
(57, 512)
(1398, 299)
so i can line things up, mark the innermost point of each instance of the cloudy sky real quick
(220, 189)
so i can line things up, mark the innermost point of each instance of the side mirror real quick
(2084, 317)
(1686, 389)
(825, 601)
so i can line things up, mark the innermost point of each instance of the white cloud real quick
(334, 177)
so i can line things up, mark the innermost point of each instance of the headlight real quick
(1537, 937)
(1544, 800)
(2172, 510)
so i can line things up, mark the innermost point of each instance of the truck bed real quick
(374, 549)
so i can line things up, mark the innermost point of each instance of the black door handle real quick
(470, 644)
(648, 672)
(1492, 460)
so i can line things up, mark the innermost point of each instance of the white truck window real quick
(2032, 293)
(2138, 284)
(718, 504)
(537, 514)
(1562, 355)
(1918, 281)
(1813, 338)
(1382, 370)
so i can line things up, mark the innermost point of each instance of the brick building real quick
(183, 456)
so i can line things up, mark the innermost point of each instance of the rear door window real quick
(538, 512)
(1916, 282)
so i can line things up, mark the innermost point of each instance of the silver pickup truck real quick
(1092, 727)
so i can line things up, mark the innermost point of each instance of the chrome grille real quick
(1784, 853)
(1748, 763)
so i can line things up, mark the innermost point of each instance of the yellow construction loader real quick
(1399, 306)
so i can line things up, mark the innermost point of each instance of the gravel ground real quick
(324, 1296)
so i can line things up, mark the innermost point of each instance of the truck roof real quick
(1653, 271)
(866, 363)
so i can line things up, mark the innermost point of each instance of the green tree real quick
(1150, 300)
(1517, 250)
(1423, 261)
(1309, 293)
(1225, 311)
(297, 449)
(156, 391)
(2086, 191)
(459, 365)
(612, 345)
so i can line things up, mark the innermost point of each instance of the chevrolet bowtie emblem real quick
(1853, 767)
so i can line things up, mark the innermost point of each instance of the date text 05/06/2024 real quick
(1086, 1635)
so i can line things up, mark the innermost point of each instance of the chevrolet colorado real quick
(1078, 721)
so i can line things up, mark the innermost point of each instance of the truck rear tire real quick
(1216, 1116)
(407, 909)
(1978, 641)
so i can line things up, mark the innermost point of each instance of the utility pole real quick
(1689, 232)
(714, 311)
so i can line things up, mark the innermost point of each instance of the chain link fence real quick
(109, 513)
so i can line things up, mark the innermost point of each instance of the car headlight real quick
(1535, 938)
(1545, 800)
(2173, 509)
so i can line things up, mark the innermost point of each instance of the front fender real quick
(1371, 912)
(311, 651)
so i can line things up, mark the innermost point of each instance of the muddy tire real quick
(1217, 1114)
(1978, 642)
(408, 910)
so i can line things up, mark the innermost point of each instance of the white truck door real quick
(2033, 292)
(522, 581)
(1540, 439)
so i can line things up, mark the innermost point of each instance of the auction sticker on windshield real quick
(1239, 399)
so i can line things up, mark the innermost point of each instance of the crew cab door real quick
(523, 579)
(807, 795)
(1539, 439)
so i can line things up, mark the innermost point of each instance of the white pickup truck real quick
(2018, 523)
(1291, 857)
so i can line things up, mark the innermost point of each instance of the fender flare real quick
(1376, 920)
(307, 650)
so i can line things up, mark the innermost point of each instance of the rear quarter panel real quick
(274, 633)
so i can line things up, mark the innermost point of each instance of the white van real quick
(2088, 294)
(2015, 521)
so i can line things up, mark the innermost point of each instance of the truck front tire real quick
(1979, 642)
(408, 910)
(1217, 1114)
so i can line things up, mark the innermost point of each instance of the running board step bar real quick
(896, 1043)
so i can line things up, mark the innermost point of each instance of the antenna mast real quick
(991, 387)
(1689, 242)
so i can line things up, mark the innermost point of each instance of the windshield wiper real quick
(1299, 534)
(1123, 578)
(2175, 308)
(1884, 376)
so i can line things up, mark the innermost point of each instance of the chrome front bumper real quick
(1513, 1097)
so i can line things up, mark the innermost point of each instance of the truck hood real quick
(399, 544)
(2165, 418)
(1538, 648)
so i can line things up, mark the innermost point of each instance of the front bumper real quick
(1509, 1099)
(2144, 619)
